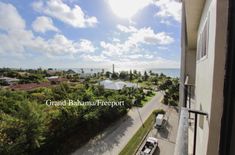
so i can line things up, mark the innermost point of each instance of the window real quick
(203, 40)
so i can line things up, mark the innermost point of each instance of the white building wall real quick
(204, 77)
(210, 77)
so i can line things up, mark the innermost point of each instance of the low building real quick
(85, 75)
(56, 79)
(117, 85)
(53, 72)
(30, 86)
(9, 81)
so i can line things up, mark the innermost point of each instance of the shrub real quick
(159, 111)
(173, 103)
(165, 100)
(149, 93)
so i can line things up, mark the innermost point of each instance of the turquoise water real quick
(172, 72)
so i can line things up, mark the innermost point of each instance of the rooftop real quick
(29, 86)
(117, 85)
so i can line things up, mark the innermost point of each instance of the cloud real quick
(166, 22)
(61, 11)
(148, 36)
(127, 8)
(126, 29)
(94, 58)
(43, 24)
(9, 18)
(158, 62)
(116, 40)
(127, 63)
(16, 40)
(169, 8)
(86, 45)
(135, 56)
(109, 49)
(136, 38)
(59, 44)
(166, 8)
(148, 56)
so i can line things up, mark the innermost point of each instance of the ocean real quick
(172, 72)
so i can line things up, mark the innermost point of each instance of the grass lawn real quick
(145, 84)
(147, 99)
(135, 141)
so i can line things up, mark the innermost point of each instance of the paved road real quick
(166, 135)
(114, 138)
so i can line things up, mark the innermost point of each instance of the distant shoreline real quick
(172, 72)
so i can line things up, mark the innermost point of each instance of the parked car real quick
(159, 121)
(150, 146)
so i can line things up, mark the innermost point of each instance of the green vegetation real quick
(29, 126)
(148, 97)
(136, 140)
(171, 88)
(25, 76)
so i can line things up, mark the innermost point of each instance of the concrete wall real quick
(204, 76)
(182, 64)
(210, 77)
(188, 60)
(218, 78)
(190, 65)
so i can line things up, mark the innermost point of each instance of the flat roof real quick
(159, 116)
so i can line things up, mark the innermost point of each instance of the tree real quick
(70, 71)
(138, 99)
(24, 132)
(165, 85)
(35, 125)
(60, 92)
(131, 76)
(171, 88)
(145, 76)
(135, 72)
(102, 72)
(107, 74)
(166, 99)
(82, 71)
(87, 97)
(3, 83)
(29, 126)
(149, 93)
(114, 76)
(99, 90)
(11, 129)
(123, 75)
(154, 80)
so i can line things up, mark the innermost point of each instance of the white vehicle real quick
(150, 146)
(159, 120)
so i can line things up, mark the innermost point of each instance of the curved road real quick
(114, 138)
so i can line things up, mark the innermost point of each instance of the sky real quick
(90, 33)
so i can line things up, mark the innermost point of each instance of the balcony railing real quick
(188, 92)
(181, 147)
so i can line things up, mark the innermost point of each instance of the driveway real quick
(114, 138)
(166, 135)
